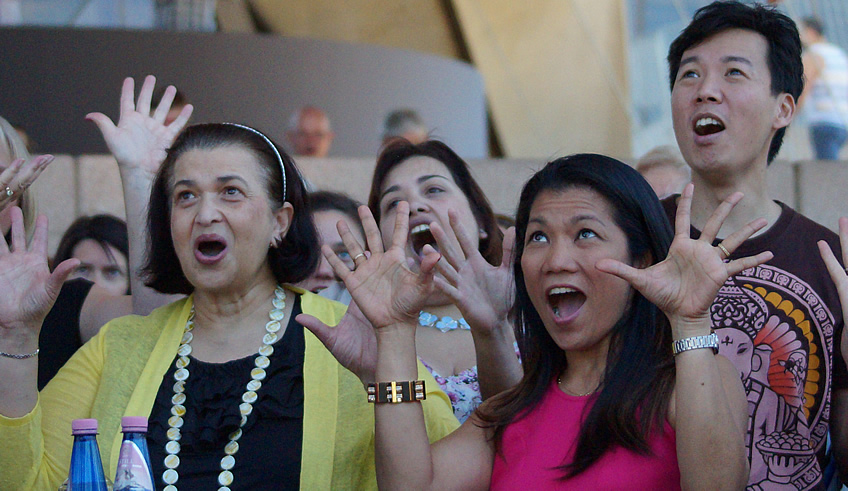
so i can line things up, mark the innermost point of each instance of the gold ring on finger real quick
(361, 254)
(724, 250)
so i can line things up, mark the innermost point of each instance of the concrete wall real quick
(420, 25)
(90, 184)
(555, 70)
(51, 78)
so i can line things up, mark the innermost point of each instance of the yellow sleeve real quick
(36, 449)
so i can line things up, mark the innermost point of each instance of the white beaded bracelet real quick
(19, 357)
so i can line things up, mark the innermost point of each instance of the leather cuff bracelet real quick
(396, 392)
(695, 342)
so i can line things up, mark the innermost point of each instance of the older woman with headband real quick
(238, 394)
(622, 388)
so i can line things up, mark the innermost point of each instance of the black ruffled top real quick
(270, 447)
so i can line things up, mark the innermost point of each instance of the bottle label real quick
(133, 472)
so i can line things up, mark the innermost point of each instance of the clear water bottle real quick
(134, 473)
(86, 472)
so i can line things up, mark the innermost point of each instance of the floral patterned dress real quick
(462, 388)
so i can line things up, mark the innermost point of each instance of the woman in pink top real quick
(604, 300)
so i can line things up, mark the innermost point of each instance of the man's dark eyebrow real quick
(688, 59)
(737, 59)
(726, 59)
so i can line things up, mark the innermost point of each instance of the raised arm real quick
(390, 296)
(839, 397)
(139, 142)
(29, 291)
(708, 409)
(484, 294)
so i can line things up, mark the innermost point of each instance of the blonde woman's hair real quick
(11, 141)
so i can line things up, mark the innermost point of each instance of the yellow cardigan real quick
(119, 371)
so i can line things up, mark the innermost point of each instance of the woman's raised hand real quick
(29, 288)
(140, 139)
(838, 274)
(381, 283)
(385, 293)
(685, 283)
(483, 293)
(20, 175)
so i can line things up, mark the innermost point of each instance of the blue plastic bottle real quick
(134, 473)
(86, 472)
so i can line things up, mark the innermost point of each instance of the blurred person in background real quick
(309, 132)
(101, 244)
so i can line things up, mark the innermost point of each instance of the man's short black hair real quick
(784, 46)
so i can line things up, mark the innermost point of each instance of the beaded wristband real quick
(19, 357)
(396, 392)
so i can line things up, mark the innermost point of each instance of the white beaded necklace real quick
(175, 422)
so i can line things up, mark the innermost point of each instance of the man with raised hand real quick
(736, 74)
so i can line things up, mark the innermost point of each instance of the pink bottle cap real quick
(84, 427)
(133, 424)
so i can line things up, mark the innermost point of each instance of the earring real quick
(275, 242)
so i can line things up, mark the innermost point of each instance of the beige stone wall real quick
(555, 73)
(421, 25)
(71, 187)
(555, 70)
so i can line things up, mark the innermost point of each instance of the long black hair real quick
(639, 375)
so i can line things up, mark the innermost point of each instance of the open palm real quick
(382, 284)
(385, 292)
(483, 293)
(140, 139)
(29, 288)
(685, 283)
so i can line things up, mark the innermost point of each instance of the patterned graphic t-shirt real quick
(780, 324)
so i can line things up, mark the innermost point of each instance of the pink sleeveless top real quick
(546, 438)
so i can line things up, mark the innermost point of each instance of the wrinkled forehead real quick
(226, 159)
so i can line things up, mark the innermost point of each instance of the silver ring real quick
(9, 192)
(724, 250)
(361, 254)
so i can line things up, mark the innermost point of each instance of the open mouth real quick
(209, 248)
(420, 236)
(708, 126)
(565, 302)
